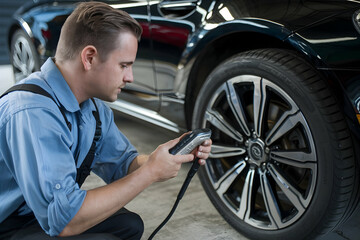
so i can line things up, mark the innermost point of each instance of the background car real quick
(277, 82)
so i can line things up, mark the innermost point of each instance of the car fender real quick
(284, 38)
(211, 32)
(188, 78)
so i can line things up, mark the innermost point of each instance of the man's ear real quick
(88, 54)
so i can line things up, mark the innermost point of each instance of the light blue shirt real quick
(38, 151)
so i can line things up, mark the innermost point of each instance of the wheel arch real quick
(215, 52)
(17, 24)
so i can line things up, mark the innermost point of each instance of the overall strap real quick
(85, 167)
(38, 90)
(84, 170)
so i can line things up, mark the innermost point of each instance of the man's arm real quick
(102, 202)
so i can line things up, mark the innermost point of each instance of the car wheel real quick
(282, 161)
(23, 56)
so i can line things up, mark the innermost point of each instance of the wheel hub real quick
(256, 151)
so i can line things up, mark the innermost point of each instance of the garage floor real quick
(195, 217)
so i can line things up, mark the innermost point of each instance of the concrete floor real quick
(195, 217)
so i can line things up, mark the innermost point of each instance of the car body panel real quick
(43, 23)
(178, 35)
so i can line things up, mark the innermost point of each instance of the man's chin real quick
(109, 99)
(113, 99)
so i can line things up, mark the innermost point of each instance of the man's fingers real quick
(184, 158)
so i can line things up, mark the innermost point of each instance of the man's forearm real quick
(102, 202)
(137, 162)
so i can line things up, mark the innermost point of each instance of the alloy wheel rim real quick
(22, 59)
(263, 163)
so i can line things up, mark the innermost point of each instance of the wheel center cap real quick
(256, 151)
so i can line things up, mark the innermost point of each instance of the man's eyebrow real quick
(127, 63)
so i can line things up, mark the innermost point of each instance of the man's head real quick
(96, 24)
(96, 50)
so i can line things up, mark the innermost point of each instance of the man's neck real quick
(72, 74)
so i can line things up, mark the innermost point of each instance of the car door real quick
(171, 24)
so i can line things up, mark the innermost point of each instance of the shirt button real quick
(81, 127)
(57, 186)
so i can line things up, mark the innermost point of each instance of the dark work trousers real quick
(122, 225)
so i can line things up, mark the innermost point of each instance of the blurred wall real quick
(7, 9)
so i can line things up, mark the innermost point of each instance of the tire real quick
(282, 164)
(24, 57)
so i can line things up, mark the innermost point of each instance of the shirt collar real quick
(58, 84)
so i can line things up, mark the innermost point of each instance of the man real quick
(41, 148)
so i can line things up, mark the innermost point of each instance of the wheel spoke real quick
(236, 107)
(259, 104)
(31, 64)
(17, 50)
(16, 57)
(215, 118)
(223, 184)
(16, 63)
(270, 201)
(287, 122)
(295, 158)
(288, 189)
(24, 56)
(221, 151)
(246, 196)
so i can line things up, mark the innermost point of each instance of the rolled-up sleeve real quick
(66, 203)
(42, 164)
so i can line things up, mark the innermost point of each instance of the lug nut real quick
(267, 150)
(263, 166)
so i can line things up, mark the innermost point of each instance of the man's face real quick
(110, 76)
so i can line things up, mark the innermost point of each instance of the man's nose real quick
(129, 77)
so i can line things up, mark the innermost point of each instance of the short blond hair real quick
(97, 24)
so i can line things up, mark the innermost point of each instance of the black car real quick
(277, 82)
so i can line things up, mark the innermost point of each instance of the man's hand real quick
(165, 165)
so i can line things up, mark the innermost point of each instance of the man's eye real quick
(124, 66)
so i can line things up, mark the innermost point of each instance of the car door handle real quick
(177, 8)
